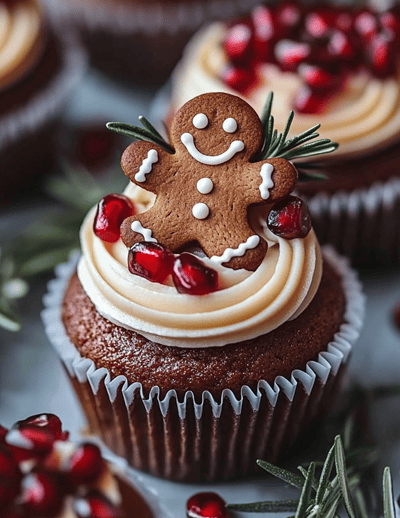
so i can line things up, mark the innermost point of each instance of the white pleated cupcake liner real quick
(361, 224)
(123, 18)
(47, 103)
(282, 407)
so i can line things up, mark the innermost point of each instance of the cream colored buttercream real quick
(21, 40)
(247, 305)
(363, 117)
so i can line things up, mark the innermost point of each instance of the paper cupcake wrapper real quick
(212, 438)
(361, 224)
(148, 18)
(46, 104)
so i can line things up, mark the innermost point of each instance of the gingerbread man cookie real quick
(204, 190)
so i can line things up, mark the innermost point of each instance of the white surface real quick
(32, 380)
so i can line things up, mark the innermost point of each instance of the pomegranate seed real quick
(344, 21)
(288, 15)
(240, 79)
(85, 465)
(340, 46)
(381, 55)
(206, 505)
(318, 23)
(238, 43)
(291, 53)
(366, 24)
(312, 101)
(29, 441)
(152, 261)
(41, 496)
(96, 505)
(390, 22)
(192, 276)
(3, 433)
(111, 212)
(264, 32)
(8, 465)
(49, 422)
(290, 218)
(317, 77)
(96, 146)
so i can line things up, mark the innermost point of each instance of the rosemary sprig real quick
(278, 145)
(148, 132)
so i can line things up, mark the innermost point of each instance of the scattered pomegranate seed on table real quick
(111, 212)
(290, 218)
(96, 505)
(192, 276)
(85, 464)
(150, 260)
(41, 495)
(240, 79)
(206, 505)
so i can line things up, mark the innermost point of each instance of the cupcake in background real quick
(43, 473)
(141, 41)
(337, 66)
(39, 68)
(202, 307)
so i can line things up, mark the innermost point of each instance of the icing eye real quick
(229, 125)
(200, 121)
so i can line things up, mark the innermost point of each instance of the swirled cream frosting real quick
(248, 304)
(21, 40)
(363, 117)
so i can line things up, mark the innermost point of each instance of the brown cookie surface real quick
(203, 190)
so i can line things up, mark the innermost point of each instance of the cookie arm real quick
(274, 178)
(146, 164)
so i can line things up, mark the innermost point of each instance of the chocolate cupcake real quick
(226, 320)
(38, 71)
(142, 40)
(334, 66)
(43, 473)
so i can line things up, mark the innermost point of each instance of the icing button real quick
(200, 121)
(229, 125)
(205, 186)
(200, 211)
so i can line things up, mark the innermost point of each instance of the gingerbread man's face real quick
(213, 132)
(205, 188)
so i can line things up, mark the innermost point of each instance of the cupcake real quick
(43, 473)
(142, 40)
(202, 307)
(38, 71)
(335, 66)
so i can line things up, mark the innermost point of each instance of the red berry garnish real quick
(192, 276)
(366, 24)
(206, 505)
(319, 23)
(288, 15)
(150, 260)
(317, 77)
(8, 465)
(111, 212)
(290, 218)
(96, 505)
(290, 54)
(390, 22)
(41, 495)
(28, 441)
(265, 30)
(340, 46)
(381, 55)
(238, 42)
(239, 79)
(85, 465)
(95, 146)
(312, 101)
(49, 422)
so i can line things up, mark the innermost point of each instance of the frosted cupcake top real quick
(22, 39)
(334, 66)
(154, 264)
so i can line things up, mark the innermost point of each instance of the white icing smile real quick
(235, 147)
